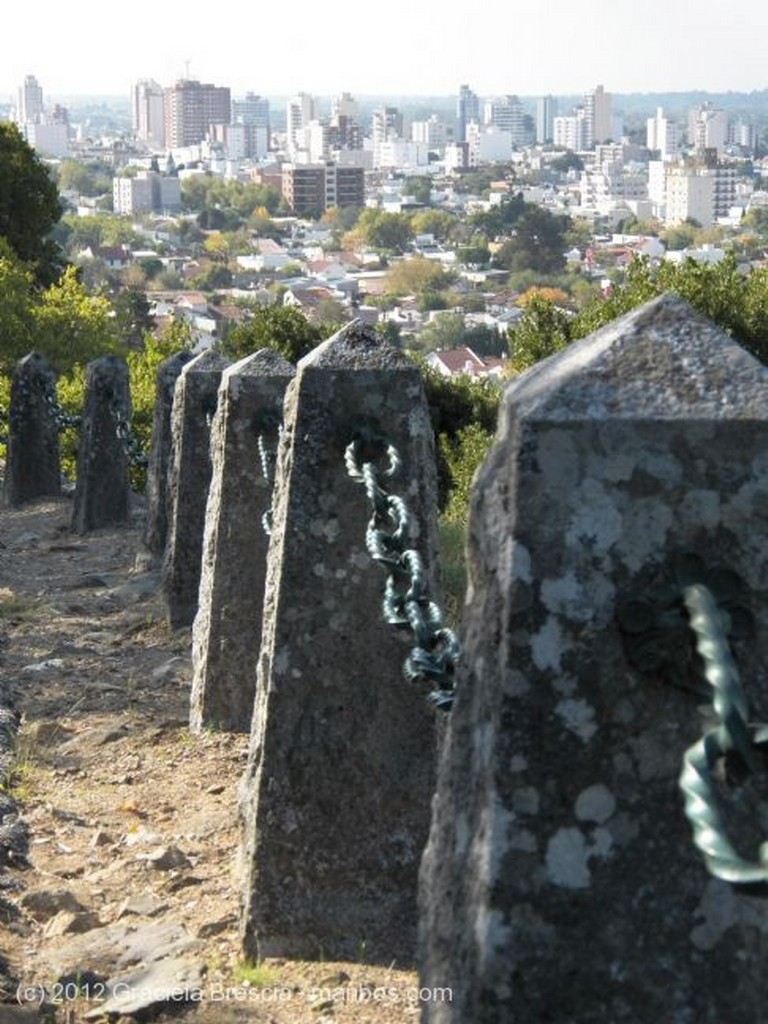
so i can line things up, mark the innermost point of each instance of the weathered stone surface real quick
(32, 452)
(560, 881)
(340, 773)
(194, 405)
(173, 981)
(227, 631)
(102, 493)
(46, 903)
(156, 530)
(118, 946)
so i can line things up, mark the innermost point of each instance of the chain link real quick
(131, 445)
(733, 734)
(61, 417)
(268, 459)
(389, 539)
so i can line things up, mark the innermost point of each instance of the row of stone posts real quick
(560, 881)
(102, 491)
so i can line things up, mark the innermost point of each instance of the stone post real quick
(560, 881)
(102, 491)
(194, 404)
(156, 529)
(226, 635)
(32, 453)
(341, 767)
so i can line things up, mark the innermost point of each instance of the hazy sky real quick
(395, 47)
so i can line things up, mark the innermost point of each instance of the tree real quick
(88, 179)
(72, 326)
(29, 205)
(416, 274)
(17, 328)
(542, 330)
(282, 328)
(390, 231)
(132, 316)
(440, 223)
(420, 187)
(538, 242)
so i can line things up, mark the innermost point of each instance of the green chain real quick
(133, 450)
(268, 459)
(733, 733)
(389, 539)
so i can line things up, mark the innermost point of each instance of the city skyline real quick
(407, 49)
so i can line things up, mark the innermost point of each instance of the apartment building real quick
(191, 107)
(146, 193)
(300, 112)
(29, 104)
(314, 188)
(467, 111)
(546, 112)
(690, 195)
(663, 136)
(148, 107)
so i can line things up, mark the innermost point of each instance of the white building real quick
(301, 110)
(149, 112)
(663, 136)
(546, 112)
(29, 106)
(708, 128)
(507, 115)
(598, 112)
(147, 192)
(571, 132)
(431, 132)
(48, 139)
(690, 194)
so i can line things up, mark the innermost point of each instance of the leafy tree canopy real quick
(416, 274)
(538, 242)
(29, 205)
(282, 328)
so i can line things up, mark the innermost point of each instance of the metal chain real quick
(131, 445)
(63, 419)
(733, 734)
(389, 539)
(268, 459)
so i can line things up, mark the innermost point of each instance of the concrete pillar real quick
(560, 881)
(156, 529)
(226, 635)
(194, 405)
(340, 774)
(32, 453)
(102, 491)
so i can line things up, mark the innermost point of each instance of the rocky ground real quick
(118, 880)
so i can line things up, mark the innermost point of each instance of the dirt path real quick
(133, 833)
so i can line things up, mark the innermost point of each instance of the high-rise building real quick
(467, 110)
(708, 128)
(149, 112)
(300, 112)
(571, 132)
(506, 113)
(191, 107)
(546, 112)
(314, 188)
(29, 107)
(663, 136)
(598, 109)
(253, 114)
(344, 126)
(386, 126)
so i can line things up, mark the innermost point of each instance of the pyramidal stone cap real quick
(355, 347)
(662, 360)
